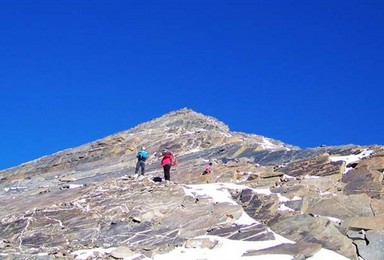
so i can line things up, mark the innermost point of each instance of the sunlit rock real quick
(86, 200)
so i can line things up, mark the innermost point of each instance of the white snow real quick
(218, 192)
(336, 220)
(268, 145)
(89, 253)
(351, 158)
(74, 186)
(195, 150)
(245, 219)
(234, 249)
(288, 177)
(311, 177)
(226, 249)
(282, 207)
(327, 254)
(327, 193)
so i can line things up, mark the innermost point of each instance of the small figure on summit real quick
(167, 161)
(141, 158)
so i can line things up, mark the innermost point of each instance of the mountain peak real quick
(188, 131)
(188, 119)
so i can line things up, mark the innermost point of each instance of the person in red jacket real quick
(166, 162)
(208, 169)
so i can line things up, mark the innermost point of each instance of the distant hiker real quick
(208, 169)
(141, 158)
(207, 173)
(167, 161)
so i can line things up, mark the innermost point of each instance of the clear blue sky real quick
(303, 72)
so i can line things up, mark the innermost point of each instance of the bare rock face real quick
(319, 230)
(363, 180)
(87, 197)
(316, 166)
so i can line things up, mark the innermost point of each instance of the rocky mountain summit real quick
(278, 199)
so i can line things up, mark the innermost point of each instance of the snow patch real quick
(74, 186)
(352, 158)
(288, 177)
(336, 220)
(195, 150)
(268, 145)
(284, 208)
(89, 253)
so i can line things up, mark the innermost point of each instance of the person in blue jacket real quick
(141, 158)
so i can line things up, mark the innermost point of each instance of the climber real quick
(208, 169)
(141, 158)
(167, 162)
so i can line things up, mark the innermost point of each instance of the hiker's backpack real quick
(143, 155)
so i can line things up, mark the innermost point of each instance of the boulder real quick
(344, 207)
(374, 162)
(375, 223)
(316, 166)
(201, 243)
(363, 180)
(300, 250)
(372, 247)
(319, 230)
(122, 252)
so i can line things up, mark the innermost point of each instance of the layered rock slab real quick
(318, 230)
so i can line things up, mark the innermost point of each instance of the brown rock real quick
(270, 173)
(122, 252)
(363, 180)
(374, 162)
(315, 166)
(343, 207)
(298, 250)
(368, 223)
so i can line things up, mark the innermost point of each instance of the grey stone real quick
(122, 252)
(372, 248)
(300, 250)
(342, 207)
(201, 243)
(356, 234)
(314, 230)
(255, 232)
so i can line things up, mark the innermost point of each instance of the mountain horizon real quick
(183, 111)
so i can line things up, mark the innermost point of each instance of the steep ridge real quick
(183, 131)
(87, 197)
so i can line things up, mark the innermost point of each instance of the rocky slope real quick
(88, 198)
